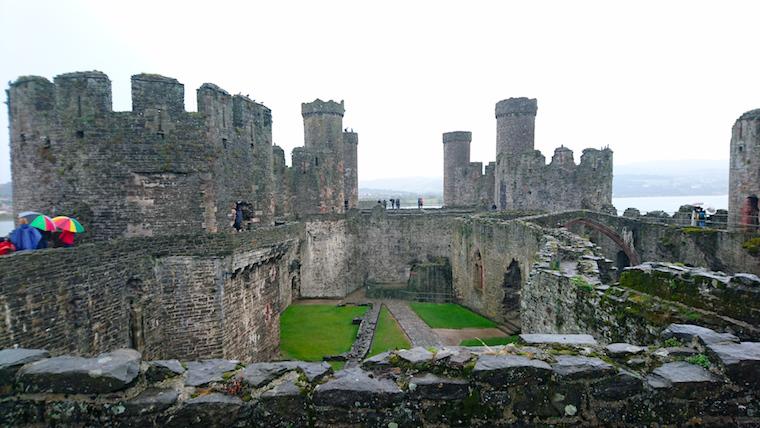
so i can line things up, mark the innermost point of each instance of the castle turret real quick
(456, 154)
(515, 125)
(322, 124)
(321, 160)
(351, 169)
(563, 158)
(744, 174)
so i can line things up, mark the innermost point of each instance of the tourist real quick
(6, 246)
(66, 239)
(694, 216)
(701, 216)
(238, 216)
(25, 237)
(398, 203)
(385, 204)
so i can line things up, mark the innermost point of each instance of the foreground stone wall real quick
(544, 380)
(211, 295)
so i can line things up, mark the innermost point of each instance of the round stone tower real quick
(456, 153)
(744, 172)
(324, 156)
(515, 125)
(322, 124)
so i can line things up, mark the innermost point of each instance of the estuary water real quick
(5, 227)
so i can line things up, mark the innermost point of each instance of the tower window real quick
(316, 161)
(80, 134)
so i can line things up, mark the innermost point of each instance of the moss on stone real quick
(752, 246)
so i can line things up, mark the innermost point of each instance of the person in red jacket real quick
(66, 238)
(6, 247)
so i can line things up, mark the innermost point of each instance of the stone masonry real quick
(744, 173)
(520, 179)
(160, 170)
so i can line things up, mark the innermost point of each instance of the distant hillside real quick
(671, 178)
(412, 185)
(654, 178)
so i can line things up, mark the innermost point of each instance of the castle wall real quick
(744, 174)
(456, 155)
(153, 171)
(170, 297)
(282, 182)
(490, 261)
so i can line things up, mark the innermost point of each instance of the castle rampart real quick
(155, 170)
(744, 174)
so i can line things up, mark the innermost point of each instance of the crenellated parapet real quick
(521, 106)
(319, 107)
(744, 174)
(123, 173)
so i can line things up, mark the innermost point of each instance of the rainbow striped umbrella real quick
(43, 222)
(68, 224)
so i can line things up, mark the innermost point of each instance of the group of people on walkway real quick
(37, 231)
(395, 203)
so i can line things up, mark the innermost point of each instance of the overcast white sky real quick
(653, 80)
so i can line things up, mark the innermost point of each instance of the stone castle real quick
(520, 179)
(744, 172)
(160, 169)
(608, 330)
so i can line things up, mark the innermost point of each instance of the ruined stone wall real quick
(523, 180)
(282, 181)
(744, 174)
(543, 380)
(715, 249)
(490, 261)
(327, 259)
(179, 296)
(388, 244)
(568, 292)
(153, 171)
(464, 184)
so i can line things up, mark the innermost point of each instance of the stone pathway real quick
(418, 332)
(453, 337)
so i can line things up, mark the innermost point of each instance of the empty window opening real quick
(477, 272)
(80, 134)
(79, 105)
(316, 161)
(23, 138)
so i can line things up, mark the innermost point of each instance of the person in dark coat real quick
(25, 237)
(238, 217)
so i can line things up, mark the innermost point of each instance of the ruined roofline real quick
(318, 106)
(517, 107)
(158, 90)
(457, 136)
(350, 137)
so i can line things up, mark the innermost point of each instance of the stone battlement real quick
(516, 107)
(544, 379)
(459, 136)
(323, 107)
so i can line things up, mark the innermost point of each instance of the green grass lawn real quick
(490, 341)
(449, 315)
(309, 332)
(388, 335)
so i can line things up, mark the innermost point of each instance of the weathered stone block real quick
(200, 373)
(618, 387)
(558, 339)
(210, 410)
(622, 350)
(12, 359)
(152, 400)
(688, 332)
(162, 369)
(575, 367)
(107, 372)
(501, 370)
(355, 388)
(740, 360)
(432, 387)
(683, 379)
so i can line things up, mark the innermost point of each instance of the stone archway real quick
(628, 250)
